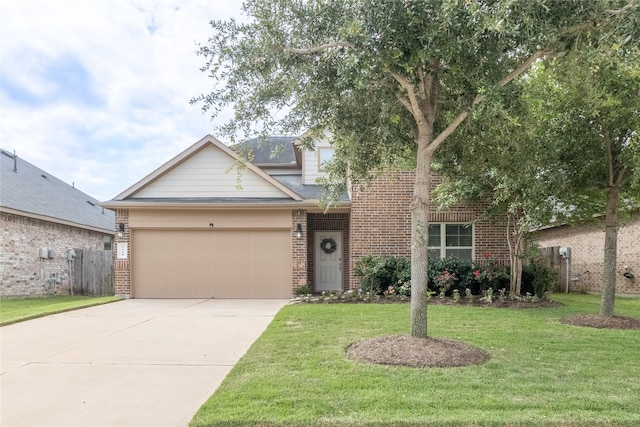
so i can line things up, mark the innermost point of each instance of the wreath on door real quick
(328, 245)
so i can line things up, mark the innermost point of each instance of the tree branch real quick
(404, 101)
(316, 49)
(479, 98)
(421, 83)
(414, 102)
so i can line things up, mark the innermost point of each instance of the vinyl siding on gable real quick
(310, 166)
(209, 173)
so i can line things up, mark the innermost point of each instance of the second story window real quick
(325, 154)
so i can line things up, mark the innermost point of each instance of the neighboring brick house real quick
(41, 218)
(194, 228)
(587, 254)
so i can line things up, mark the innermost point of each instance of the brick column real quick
(298, 249)
(122, 266)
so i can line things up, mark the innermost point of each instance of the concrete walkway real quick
(130, 363)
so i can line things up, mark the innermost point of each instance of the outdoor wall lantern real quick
(299, 231)
(628, 272)
(120, 229)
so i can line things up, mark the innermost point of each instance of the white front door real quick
(328, 260)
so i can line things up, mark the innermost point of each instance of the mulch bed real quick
(496, 303)
(602, 322)
(476, 301)
(415, 352)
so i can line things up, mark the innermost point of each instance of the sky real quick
(96, 92)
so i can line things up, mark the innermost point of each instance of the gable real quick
(210, 171)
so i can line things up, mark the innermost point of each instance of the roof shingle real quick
(31, 190)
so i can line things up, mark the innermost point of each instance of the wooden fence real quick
(92, 273)
(551, 257)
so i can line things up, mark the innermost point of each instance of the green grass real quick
(18, 310)
(541, 371)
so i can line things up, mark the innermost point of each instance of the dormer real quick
(314, 161)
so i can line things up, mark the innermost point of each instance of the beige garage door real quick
(211, 264)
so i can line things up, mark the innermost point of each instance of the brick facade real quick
(22, 272)
(381, 221)
(587, 255)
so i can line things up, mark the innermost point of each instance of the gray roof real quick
(271, 150)
(278, 151)
(313, 192)
(31, 190)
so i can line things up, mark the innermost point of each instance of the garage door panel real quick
(211, 264)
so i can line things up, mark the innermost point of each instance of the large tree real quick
(386, 78)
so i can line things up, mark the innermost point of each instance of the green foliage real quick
(474, 277)
(537, 278)
(303, 289)
(488, 296)
(588, 108)
(489, 275)
(350, 67)
(449, 274)
(378, 273)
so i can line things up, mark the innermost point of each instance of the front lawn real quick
(17, 310)
(541, 372)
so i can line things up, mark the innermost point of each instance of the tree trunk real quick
(610, 252)
(515, 239)
(516, 265)
(419, 241)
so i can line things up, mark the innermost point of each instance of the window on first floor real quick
(106, 242)
(451, 240)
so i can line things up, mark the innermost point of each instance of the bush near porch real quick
(378, 273)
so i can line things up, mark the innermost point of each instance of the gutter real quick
(57, 220)
(312, 205)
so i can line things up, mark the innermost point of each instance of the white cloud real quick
(97, 92)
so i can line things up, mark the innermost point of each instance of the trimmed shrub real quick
(377, 273)
(489, 275)
(537, 278)
(449, 274)
(454, 274)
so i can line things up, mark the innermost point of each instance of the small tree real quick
(567, 149)
(497, 156)
(591, 108)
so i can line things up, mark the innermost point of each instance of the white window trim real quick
(443, 239)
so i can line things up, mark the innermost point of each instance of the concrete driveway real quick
(129, 363)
